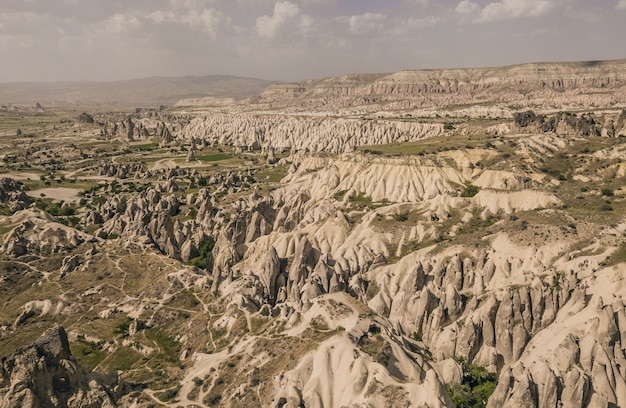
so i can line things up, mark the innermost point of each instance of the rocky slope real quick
(454, 256)
(46, 374)
(559, 83)
(251, 131)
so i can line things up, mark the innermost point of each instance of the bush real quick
(123, 327)
(606, 207)
(470, 190)
(401, 217)
(212, 399)
(200, 261)
(476, 387)
(607, 192)
(55, 208)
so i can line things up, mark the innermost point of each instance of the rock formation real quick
(46, 374)
(377, 245)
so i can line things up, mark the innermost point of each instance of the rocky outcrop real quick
(562, 83)
(85, 118)
(37, 232)
(164, 133)
(314, 134)
(571, 124)
(138, 127)
(121, 171)
(46, 374)
(581, 367)
(366, 366)
(12, 195)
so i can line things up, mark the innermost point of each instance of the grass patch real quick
(257, 325)
(184, 299)
(617, 257)
(207, 158)
(170, 348)
(272, 174)
(559, 167)
(88, 354)
(123, 327)
(55, 208)
(362, 201)
(4, 210)
(339, 195)
(147, 147)
(429, 146)
(123, 359)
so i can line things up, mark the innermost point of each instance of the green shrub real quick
(470, 190)
(401, 217)
(123, 327)
(607, 192)
(55, 208)
(476, 387)
(606, 207)
(205, 249)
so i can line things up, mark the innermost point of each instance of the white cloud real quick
(120, 23)
(466, 7)
(415, 22)
(367, 22)
(268, 26)
(208, 20)
(621, 5)
(162, 17)
(513, 9)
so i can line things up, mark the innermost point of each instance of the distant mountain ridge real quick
(426, 87)
(434, 87)
(145, 91)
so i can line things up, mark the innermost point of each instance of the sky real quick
(105, 40)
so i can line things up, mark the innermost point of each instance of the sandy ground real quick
(59, 193)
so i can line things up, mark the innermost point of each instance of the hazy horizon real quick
(103, 41)
(53, 82)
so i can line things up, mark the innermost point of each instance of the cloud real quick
(514, 9)
(466, 7)
(207, 20)
(120, 23)
(293, 39)
(268, 26)
(162, 17)
(417, 22)
(367, 22)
